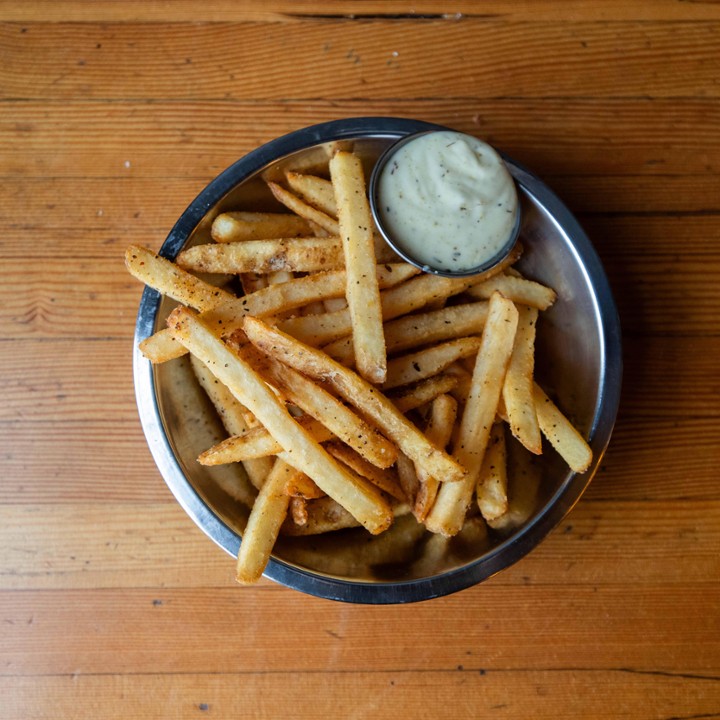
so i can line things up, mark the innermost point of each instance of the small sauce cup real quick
(468, 154)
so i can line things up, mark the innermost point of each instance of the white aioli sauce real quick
(448, 201)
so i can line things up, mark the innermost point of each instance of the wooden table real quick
(113, 115)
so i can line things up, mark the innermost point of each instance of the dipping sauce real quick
(447, 201)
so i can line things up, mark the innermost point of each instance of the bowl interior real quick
(405, 563)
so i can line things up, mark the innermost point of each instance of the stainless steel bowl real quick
(579, 347)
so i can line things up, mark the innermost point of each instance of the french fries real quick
(354, 388)
(362, 291)
(300, 449)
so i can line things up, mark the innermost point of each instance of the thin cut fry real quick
(266, 517)
(362, 292)
(270, 300)
(294, 203)
(299, 446)
(307, 254)
(517, 391)
(453, 500)
(438, 431)
(492, 482)
(517, 289)
(168, 279)
(411, 331)
(415, 396)
(563, 436)
(315, 190)
(257, 442)
(238, 226)
(314, 400)
(428, 362)
(358, 392)
(232, 415)
(383, 478)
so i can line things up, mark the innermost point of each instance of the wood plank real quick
(144, 209)
(209, 630)
(659, 458)
(465, 691)
(80, 544)
(100, 460)
(641, 137)
(299, 10)
(336, 59)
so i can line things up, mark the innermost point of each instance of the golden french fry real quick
(358, 392)
(315, 190)
(302, 254)
(232, 415)
(517, 390)
(397, 300)
(407, 477)
(263, 527)
(411, 397)
(168, 279)
(362, 292)
(270, 300)
(410, 331)
(523, 485)
(257, 442)
(428, 362)
(238, 226)
(384, 478)
(453, 499)
(517, 289)
(563, 436)
(301, 486)
(318, 402)
(300, 448)
(492, 481)
(294, 203)
(438, 431)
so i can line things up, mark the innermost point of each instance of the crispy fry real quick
(232, 415)
(362, 291)
(266, 517)
(517, 289)
(270, 300)
(316, 401)
(438, 431)
(568, 442)
(384, 478)
(299, 446)
(302, 254)
(492, 481)
(356, 391)
(257, 442)
(411, 331)
(517, 390)
(294, 203)
(523, 485)
(238, 226)
(428, 362)
(411, 397)
(315, 190)
(168, 279)
(453, 500)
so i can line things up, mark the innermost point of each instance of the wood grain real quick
(443, 694)
(162, 139)
(336, 59)
(166, 630)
